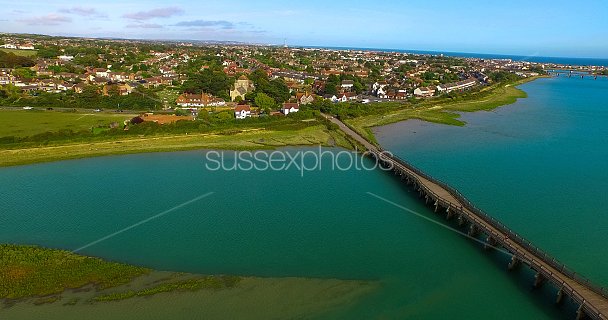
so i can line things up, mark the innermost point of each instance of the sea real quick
(567, 61)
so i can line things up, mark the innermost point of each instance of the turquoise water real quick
(540, 166)
(527, 164)
(266, 224)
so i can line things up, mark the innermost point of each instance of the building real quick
(425, 91)
(460, 85)
(288, 108)
(348, 84)
(242, 111)
(242, 86)
(305, 98)
(379, 89)
(199, 100)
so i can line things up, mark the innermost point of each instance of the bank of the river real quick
(253, 139)
(46, 283)
(444, 111)
(438, 111)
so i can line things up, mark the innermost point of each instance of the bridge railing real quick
(513, 236)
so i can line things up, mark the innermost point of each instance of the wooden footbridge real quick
(592, 300)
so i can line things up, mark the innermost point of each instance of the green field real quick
(25, 53)
(23, 123)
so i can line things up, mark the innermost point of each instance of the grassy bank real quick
(244, 140)
(22, 123)
(444, 111)
(27, 271)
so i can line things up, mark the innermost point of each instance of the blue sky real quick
(545, 28)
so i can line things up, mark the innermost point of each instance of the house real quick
(65, 58)
(27, 46)
(78, 88)
(153, 82)
(425, 91)
(242, 111)
(331, 97)
(101, 72)
(305, 98)
(242, 86)
(348, 96)
(348, 84)
(122, 89)
(379, 89)
(288, 108)
(461, 85)
(199, 100)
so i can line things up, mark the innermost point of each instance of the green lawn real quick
(25, 53)
(30, 122)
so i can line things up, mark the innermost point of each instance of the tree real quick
(24, 73)
(264, 102)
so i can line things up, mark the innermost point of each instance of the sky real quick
(530, 28)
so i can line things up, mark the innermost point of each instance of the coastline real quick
(444, 112)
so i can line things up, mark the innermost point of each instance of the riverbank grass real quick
(28, 271)
(252, 139)
(444, 111)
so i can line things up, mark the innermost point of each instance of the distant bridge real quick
(574, 73)
(592, 300)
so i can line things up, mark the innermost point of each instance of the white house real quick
(27, 46)
(242, 111)
(101, 72)
(424, 91)
(348, 84)
(461, 85)
(379, 89)
(66, 58)
(288, 108)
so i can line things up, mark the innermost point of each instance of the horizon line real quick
(338, 47)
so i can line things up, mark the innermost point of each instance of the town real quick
(241, 80)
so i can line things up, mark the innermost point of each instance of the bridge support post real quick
(490, 243)
(539, 279)
(450, 213)
(580, 313)
(436, 205)
(461, 220)
(560, 296)
(514, 263)
(473, 230)
(426, 199)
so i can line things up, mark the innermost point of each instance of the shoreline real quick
(445, 112)
(141, 287)
(259, 139)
